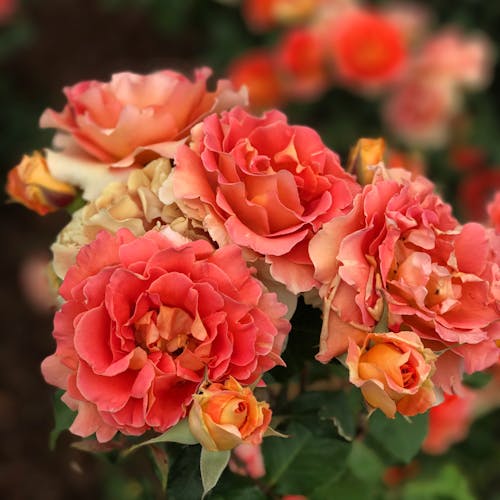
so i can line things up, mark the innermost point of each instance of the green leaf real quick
(364, 463)
(184, 476)
(299, 464)
(179, 433)
(160, 460)
(448, 484)
(477, 380)
(212, 465)
(343, 409)
(400, 437)
(346, 486)
(248, 493)
(63, 418)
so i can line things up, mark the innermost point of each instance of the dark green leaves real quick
(400, 437)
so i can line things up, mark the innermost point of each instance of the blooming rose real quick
(31, 184)
(301, 59)
(133, 204)
(420, 109)
(367, 49)
(393, 371)
(226, 415)
(401, 242)
(465, 60)
(146, 319)
(135, 118)
(264, 185)
(257, 71)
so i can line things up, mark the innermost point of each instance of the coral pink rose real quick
(265, 185)
(401, 242)
(494, 212)
(146, 319)
(393, 371)
(449, 422)
(367, 49)
(136, 118)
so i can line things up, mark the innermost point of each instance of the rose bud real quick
(365, 154)
(226, 415)
(31, 184)
(393, 371)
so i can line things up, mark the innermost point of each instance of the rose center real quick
(166, 330)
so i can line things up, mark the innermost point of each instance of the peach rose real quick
(353, 254)
(146, 319)
(393, 371)
(265, 185)
(226, 415)
(134, 118)
(367, 49)
(31, 184)
(400, 242)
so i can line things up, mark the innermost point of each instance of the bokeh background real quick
(47, 44)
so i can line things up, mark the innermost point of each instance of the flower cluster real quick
(202, 224)
(390, 51)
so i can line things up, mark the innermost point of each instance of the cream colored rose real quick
(134, 204)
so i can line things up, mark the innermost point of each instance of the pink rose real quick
(393, 371)
(352, 254)
(146, 319)
(136, 118)
(401, 242)
(420, 109)
(265, 185)
(464, 60)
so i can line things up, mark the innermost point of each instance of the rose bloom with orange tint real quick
(367, 49)
(393, 371)
(226, 415)
(31, 184)
(301, 57)
(257, 71)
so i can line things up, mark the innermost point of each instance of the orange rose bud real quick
(365, 154)
(226, 415)
(31, 184)
(393, 371)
